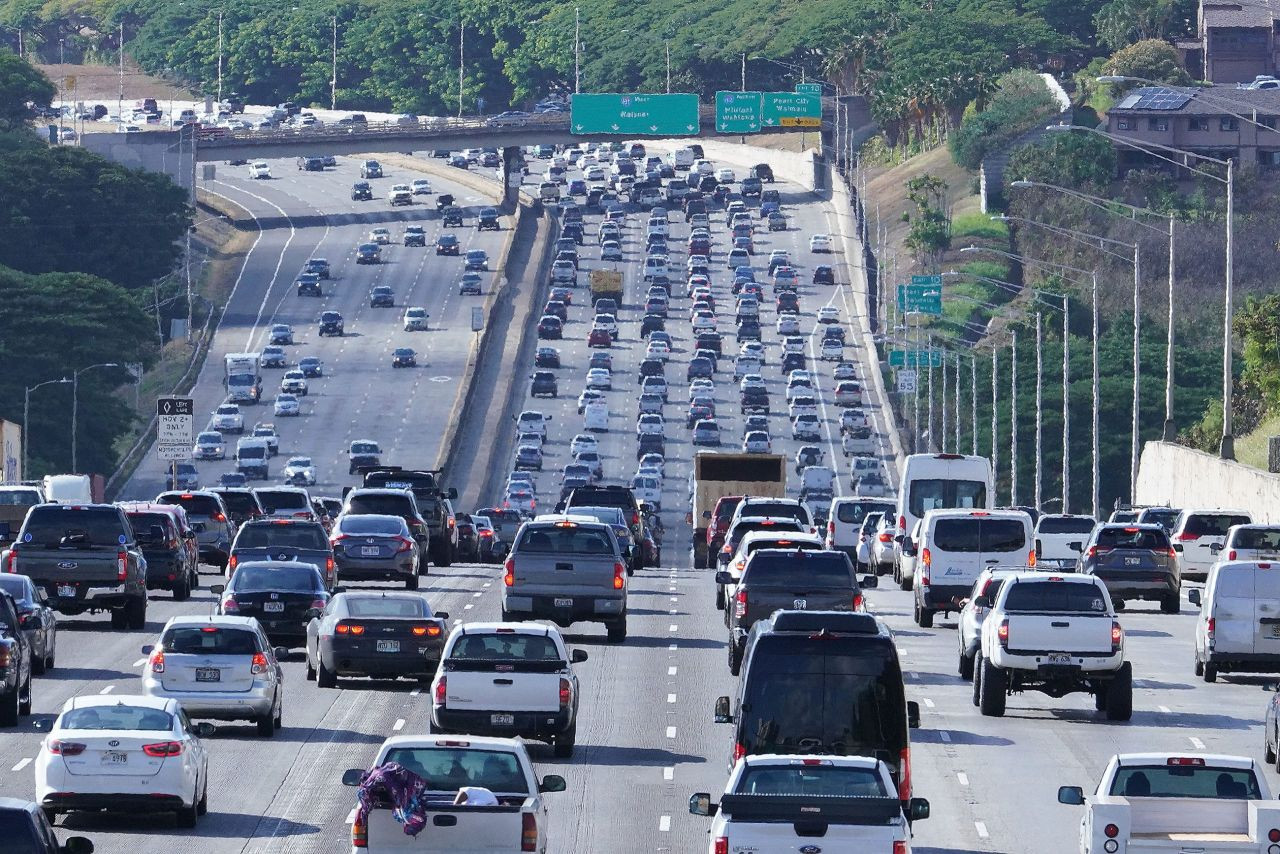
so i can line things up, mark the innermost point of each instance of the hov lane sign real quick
(175, 422)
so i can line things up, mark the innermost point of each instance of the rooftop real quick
(1176, 99)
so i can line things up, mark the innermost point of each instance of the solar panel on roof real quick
(1128, 102)
(1157, 99)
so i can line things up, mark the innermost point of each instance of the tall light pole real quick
(26, 414)
(462, 52)
(577, 54)
(219, 58)
(1039, 405)
(62, 84)
(666, 44)
(75, 406)
(744, 74)
(1013, 421)
(333, 69)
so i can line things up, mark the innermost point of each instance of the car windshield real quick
(811, 781)
(268, 535)
(117, 717)
(209, 640)
(1055, 596)
(494, 647)
(52, 526)
(1065, 525)
(302, 577)
(372, 525)
(944, 494)
(450, 769)
(1185, 781)
(564, 538)
(19, 497)
(275, 500)
(372, 607)
(1132, 538)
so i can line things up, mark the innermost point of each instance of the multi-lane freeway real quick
(645, 739)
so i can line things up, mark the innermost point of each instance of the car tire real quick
(617, 630)
(965, 667)
(719, 597)
(188, 816)
(25, 699)
(991, 691)
(1171, 603)
(267, 724)
(735, 658)
(202, 806)
(562, 747)
(182, 589)
(136, 613)
(411, 583)
(923, 616)
(311, 668)
(9, 703)
(325, 678)
(1120, 694)
(119, 619)
(1210, 673)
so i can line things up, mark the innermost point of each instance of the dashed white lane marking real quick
(476, 595)
(668, 773)
(928, 703)
(962, 778)
(913, 674)
(671, 698)
(415, 692)
(467, 607)
(351, 816)
(486, 584)
(664, 823)
(673, 647)
(140, 662)
(673, 599)
(671, 732)
(671, 671)
(945, 736)
(1196, 743)
(22, 763)
(107, 690)
(398, 725)
(1165, 709)
(673, 628)
(675, 610)
(981, 828)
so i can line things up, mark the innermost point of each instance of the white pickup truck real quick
(775, 802)
(518, 823)
(509, 679)
(1152, 802)
(1057, 634)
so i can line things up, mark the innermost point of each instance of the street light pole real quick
(1039, 405)
(1170, 431)
(333, 77)
(1013, 422)
(956, 414)
(577, 53)
(667, 46)
(462, 52)
(1137, 372)
(744, 73)
(973, 405)
(1066, 404)
(219, 58)
(995, 408)
(1227, 447)
(945, 426)
(75, 406)
(26, 414)
(1097, 497)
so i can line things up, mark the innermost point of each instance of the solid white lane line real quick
(668, 773)
(22, 763)
(1197, 743)
(671, 732)
(398, 725)
(664, 823)
(962, 778)
(981, 828)
(107, 690)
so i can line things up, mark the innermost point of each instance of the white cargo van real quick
(1239, 624)
(1055, 532)
(1197, 532)
(682, 158)
(953, 548)
(595, 417)
(938, 482)
(68, 489)
(845, 522)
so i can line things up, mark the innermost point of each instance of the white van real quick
(1195, 535)
(68, 489)
(681, 158)
(655, 265)
(595, 417)
(845, 522)
(252, 455)
(1250, 542)
(939, 482)
(1054, 534)
(954, 547)
(1238, 629)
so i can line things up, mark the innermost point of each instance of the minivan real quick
(1196, 534)
(1238, 629)
(822, 682)
(953, 549)
(1250, 542)
(845, 522)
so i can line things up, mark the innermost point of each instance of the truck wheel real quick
(1210, 672)
(1100, 698)
(735, 658)
(617, 630)
(904, 583)
(1120, 694)
(182, 590)
(977, 676)
(1171, 604)
(9, 708)
(136, 612)
(1199, 667)
(119, 620)
(991, 696)
(443, 556)
(1268, 752)
(411, 583)
(563, 746)
(311, 668)
(966, 667)
(25, 699)
(719, 597)
(325, 678)
(924, 616)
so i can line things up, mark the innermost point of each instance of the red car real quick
(599, 338)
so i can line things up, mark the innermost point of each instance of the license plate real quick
(1275, 631)
(388, 646)
(115, 757)
(67, 590)
(502, 720)
(1132, 561)
(1057, 658)
(273, 607)
(562, 603)
(370, 551)
(208, 674)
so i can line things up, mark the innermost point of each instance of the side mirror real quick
(552, 783)
(723, 577)
(280, 652)
(32, 621)
(722, 713)
(204, 729)
(314, 613)
(1193, 596)
(217, 589)
(908, 547)
(1177, 547)
(913, 714)
(869, 582)
(700, 804)
(1076, 546)
(440, 615)
(706, 514)
(149, 648)
(188, 535)
(1071, 795)
(1213, 547)
(578, 656)
(917, 809)
(77, 845)
(353, 776)
(898, 538)
(45, 725)
(452, 493)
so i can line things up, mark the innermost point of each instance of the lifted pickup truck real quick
(777, 802)
(1057, 634)
(1151, 802)
(86, 559)
(518, 823)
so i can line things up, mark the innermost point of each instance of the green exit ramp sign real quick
(792, 109)
(809, 88)
(637, 114)
(915, 358)
(738, 112)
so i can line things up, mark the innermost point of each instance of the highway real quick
(646, 739)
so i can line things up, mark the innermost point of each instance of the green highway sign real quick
(738, 112)
(925, 299)
(635, 114)
(915, 358)
(790, 109)
(809, 88)
(935, 279)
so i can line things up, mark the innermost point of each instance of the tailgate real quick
(1073, 633)
(47, 567)
(503, 686)
(567, 575)
(763, 601)
(458, 830)
(783, 838)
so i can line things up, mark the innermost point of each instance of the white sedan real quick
(380, 236)
(227, 418)
(658, 349)
(421, 187)
(650, 425)
(725, 176)
(832, 349)
(788, 324)
(599, 378)
(120, 751)
(300, 467)
(287, 405)
(415, 319)
(820, 243)
(583, 442)
(594, 173)
(828, 314)
(846, 371)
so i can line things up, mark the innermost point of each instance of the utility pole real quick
(1097, 498)
(62, 83)
(915, 415)
(1039, 406)
(219, 58)
(1066, 405)
(956, 415)
(1137, 373)
(333, 76)
(973, 405)
(929, 446)
(744, 73)
(577, 53)
(1013, 423)
(1170, 429)
(945, 427)
(995, 437)
(120, 97)
(462, 52)
(667, 45)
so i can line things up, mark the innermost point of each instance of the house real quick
(1172, 117)
(1236, 41)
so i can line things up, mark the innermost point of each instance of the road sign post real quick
(791, 109)
(635, 114)
(738, 112)
(175, 428)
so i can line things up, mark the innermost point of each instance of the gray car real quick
(375, 547)
(1136, 562)
(209, 519)
(400, 636)
(35, 618)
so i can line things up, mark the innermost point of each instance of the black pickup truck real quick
(431, 500)
(87, 559)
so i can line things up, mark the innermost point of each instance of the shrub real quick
(1021, 102)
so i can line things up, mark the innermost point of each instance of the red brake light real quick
(1031, 558)
(619, 576)
(740, 603)
(566, 693)
(900, 847)
(405, 544)
(904, 774)
(722, 845)
(1273, 835)
(1002, 633)
(231, 563)
(886, 537)
(65, 748)
(163, 748)
(1209, 628)
(926, 558)
(1111, 831)
(529, 832)
(1185, 760)
(1117, 636)
(259, 664)
(11, 565)
(1091, 552)
(440, 691)
(902, 523)
(738, 751)
(157, 661)
(360, 831)
(857, 601)
(509, 578)
(349, 629)
(219, 517)
(230, 605)
(1180, 536)
(122, 566)
(1173, 553)
(1231, 555)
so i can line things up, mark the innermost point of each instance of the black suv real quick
(311, 164)
(361, 192)
(611, 496)
(751, 187)
(488, 220)
(447, 244)
(544, 384)
(763, 171)
(452, 216)
(1135, 561)
(432, 501)
(331, 324)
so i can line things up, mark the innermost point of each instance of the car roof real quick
(211, 620)
(90, 700)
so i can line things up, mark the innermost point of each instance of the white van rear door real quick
(1266, 603)
(1234, 611)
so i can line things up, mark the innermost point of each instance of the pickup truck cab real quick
(519, 822)
(1152, 802)
(1057, 634)
(779, 802)
(511, 679)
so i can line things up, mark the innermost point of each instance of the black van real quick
(822, 682)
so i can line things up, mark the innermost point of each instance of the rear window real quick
(554, 539)
(1257, 538)
(1060, 525)
(275, 500)
(741, 529)
(450, 769)
(978, 535)
(195, 505)
(944, 494)
(777, 509)
(241, 502)
(142, 523)
(1235, 583)
(1133, 538)
(1212, 524)
(498, 647)
(117, 717)
(1166, 517)
(209, 640)
(258, 579)
(385, 505)
(1183, 781)
(297, 535)
(17, 498)
(815, 568)
(49, 526)
(17, 830)
(812, 780)
(871, 522)
(251, 452)
(1055, 596)
(372, 607)
(372, 524)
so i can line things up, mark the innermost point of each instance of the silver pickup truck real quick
(567, 569)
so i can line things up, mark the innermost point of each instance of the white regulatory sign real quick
(906, 381)
(173, 453)
(175, 421)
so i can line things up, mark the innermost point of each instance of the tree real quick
(1076, 160)
(1021, 102)
(1151, 59)
(1258, 325)
(1122, 22)
(22, 88)
(930, 225)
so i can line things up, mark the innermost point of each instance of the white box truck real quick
(243, 379)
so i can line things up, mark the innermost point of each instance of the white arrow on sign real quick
(578, 128)
(691, 128)
(615, 127)
(653, 128)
